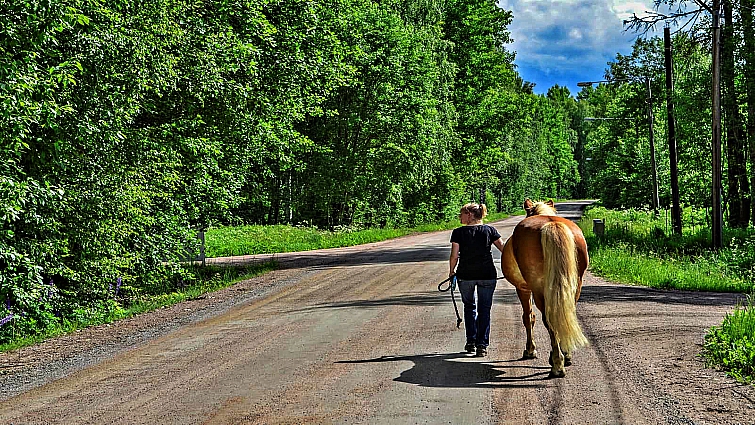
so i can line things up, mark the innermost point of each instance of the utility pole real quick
(716, 212)
(676, 214)
(652, 147)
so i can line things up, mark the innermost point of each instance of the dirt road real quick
(361, 335)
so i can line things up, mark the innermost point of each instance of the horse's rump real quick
(561, 283)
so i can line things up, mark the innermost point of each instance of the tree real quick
(748, 36)
(738, 184)
(485, 79)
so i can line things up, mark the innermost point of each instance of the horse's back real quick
(523, 253)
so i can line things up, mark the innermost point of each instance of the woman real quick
(470, 250)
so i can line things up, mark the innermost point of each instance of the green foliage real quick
(200, 281)
(619, 147)
(114, 146)
(383, 147)
(731, 346)
(639, 248)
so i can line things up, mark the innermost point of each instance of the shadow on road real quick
(430, 299)
(608, 293)
(572, 210)
(331, 258)
(459, 370)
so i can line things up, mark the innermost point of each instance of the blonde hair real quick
(478, 211)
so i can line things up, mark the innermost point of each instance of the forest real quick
(129, 126)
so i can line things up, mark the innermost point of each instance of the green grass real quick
(248, 240)
(731, 346)
(209, 279)
(638, 248)
(624, 265)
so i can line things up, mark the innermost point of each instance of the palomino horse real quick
(545, 259)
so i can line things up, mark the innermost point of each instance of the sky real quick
(567, 41)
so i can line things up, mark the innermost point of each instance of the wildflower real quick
(7, 319)
(118, 286)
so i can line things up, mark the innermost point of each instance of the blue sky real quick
(566, 41)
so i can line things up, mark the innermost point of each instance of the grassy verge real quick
(638, 248)
(625, 264)
(731, 346)
(208, 279)
(247, 240)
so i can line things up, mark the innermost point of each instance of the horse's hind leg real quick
(528, 318)
(557, 359)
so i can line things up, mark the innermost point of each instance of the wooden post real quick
(676, 214)
(598, 226)
(716, 211)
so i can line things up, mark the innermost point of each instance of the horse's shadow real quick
(459, 370)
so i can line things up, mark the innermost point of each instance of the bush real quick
(731, 346)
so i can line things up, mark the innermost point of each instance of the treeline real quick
(127, 126)
(619, 170)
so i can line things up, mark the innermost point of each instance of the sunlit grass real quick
(621, 264)
(637, 248)
(248, 240)
(731, 346)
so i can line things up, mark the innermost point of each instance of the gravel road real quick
(362, 335)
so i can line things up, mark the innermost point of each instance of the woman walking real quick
(470, 250)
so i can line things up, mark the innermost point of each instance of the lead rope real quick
(451, 286)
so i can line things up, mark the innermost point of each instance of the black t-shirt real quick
(475, 258)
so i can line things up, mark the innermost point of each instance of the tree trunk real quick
(749, 74)
(273, 214)
(737, 182)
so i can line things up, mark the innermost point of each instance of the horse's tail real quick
(561, 280)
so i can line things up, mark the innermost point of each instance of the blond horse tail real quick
(561, 280)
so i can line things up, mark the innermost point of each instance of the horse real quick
(545, 259)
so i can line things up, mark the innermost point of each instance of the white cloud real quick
(625, 9)
(569, 36)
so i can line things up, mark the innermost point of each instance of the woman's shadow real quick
(459, 370)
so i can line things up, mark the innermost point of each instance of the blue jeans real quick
(477, 314)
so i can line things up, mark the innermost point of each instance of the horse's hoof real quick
(556, 374)
(526, 355)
